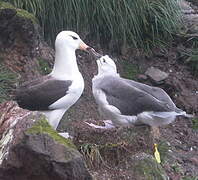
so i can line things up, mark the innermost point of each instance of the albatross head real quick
(106, 65)
(70, 39)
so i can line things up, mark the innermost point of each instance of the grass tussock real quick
(7, 83)
(190, 57)
(133, 23)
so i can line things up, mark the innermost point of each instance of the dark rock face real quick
(21, 43)
(31, 150)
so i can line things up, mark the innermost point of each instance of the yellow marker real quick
(157, 154)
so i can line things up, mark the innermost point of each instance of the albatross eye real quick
(104, 60)
(74, 38)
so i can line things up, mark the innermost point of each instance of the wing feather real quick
(130, 99)
(41, 93)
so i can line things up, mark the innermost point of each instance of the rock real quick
(144, 166)
(190, 18)
(156, 75)
(142, 77)
(194, 160)
(24, 55)
(31, 149)
(22, 47)
(178, 89)
(185, 7)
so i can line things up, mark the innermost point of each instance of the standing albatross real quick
(56, 92)
(128, 102)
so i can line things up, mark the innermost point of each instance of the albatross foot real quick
(108, 125)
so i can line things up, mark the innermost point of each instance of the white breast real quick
(73, 94)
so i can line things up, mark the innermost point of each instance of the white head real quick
(106, 65)
(71, 40)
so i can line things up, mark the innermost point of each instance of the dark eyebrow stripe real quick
(74, 37)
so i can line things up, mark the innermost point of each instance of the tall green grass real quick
(7, 82)
(134, 23)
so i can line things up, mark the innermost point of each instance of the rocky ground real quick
(125, 153)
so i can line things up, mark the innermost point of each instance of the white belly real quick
(73, 94)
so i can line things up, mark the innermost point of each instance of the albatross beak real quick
(83, 46)
(94, 53)
(90, 50)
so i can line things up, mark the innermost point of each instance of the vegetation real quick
(130, 70)
(44, 67)
(190, 57)
(135, 23)
(43, 127)
(20, 12)
(195, 123)
(91, 153)
(7, 82)
(190, 178)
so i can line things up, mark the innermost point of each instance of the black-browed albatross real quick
(56, 92)
(128, 102)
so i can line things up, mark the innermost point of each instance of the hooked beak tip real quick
(93, 52)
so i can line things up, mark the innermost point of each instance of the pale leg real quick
(54, 116)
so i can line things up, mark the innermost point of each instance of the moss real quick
(5, 5)
(1, 58)
(163, 148)
(130, 70)
(177, 168)
(195, 123)
(191, 57)
(149, 169)
(8, 80)
(44, 67)
(20, 12)
(25, 14)
(43, 127)
(190, 178)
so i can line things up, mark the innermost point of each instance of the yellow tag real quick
(157, 154)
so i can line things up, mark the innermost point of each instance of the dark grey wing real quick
(156, 92)
(39, 95)
(128, 99)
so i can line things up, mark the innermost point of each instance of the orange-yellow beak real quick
(89, 49)
(83, 46)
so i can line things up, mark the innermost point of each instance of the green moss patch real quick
(25, 14)
(149, 169)
(130, 70)
(190, 178)
(163, 148)
(44, 67)
(195, 123)
(20, 12)
(5, 5)
(43, 127)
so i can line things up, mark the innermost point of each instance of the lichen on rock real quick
(43, 127)
(31, 149)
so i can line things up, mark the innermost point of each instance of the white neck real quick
(100, 75)
(65, 63)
